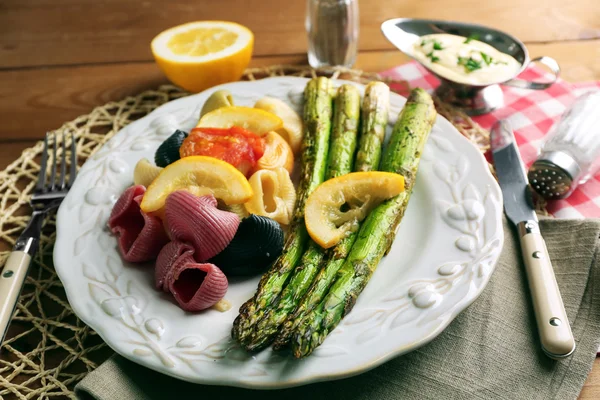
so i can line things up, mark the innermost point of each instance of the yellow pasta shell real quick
(278, 154)
(292, 130)
(220, 98)
(238, 209)
(145, 172)
(274, 195)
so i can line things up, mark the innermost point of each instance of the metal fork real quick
(46, 197)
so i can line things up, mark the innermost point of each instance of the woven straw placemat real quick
(48, 349)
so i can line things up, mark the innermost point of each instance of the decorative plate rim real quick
(424, 294)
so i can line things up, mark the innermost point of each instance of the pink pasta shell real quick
(140, 236)
(172, 256)
(198, 286)
(198, 221)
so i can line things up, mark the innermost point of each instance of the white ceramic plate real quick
(443, 256)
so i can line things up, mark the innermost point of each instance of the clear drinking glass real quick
(332, 27)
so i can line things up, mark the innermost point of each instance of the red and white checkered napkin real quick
(531, 114)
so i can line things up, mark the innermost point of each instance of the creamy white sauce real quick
(464, 60)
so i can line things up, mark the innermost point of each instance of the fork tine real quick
(41, 182)
(73, 170)
(54, 164)
(63, 163)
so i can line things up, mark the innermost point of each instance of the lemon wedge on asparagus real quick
(199, 175)
(337, 206)
(256, 121)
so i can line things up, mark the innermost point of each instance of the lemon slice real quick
(202, 54)
(256, 121)
(199, 175)
(336, 206)
(292, 129)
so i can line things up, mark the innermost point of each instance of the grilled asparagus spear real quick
(374, 120)
(346, 108)
(317, 130)
(401, 156)
(346, 115)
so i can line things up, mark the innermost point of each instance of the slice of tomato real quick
(237, 146)
(258, 143)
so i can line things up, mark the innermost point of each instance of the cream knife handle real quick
(11, 281)
(552, 322)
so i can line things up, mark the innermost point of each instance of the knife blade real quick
(553, 325)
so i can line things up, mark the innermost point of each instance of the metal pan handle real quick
(548, 62)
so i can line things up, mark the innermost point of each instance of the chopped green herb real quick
(425, 41)
(487, 58)
(437, 45)
(432, 57)
(473, 36)
(469, 64)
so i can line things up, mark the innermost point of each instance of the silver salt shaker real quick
(332, 27)
(570, 154)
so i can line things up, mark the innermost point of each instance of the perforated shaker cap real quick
(554, 175)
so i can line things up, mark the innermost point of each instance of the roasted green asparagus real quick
(346, 116)
(317, 130)
(374, 120)
(402, 156)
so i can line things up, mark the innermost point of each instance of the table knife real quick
(553, 326)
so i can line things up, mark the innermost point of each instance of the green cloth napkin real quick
(491, 350)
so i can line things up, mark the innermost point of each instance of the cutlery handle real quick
(11, 281)
(552, 322)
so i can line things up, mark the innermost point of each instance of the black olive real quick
(256, 244)
(168, 152)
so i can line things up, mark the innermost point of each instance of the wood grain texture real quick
(34, 101)
(61, 58)
(68, 32)
(591, 388)
(579, 61)
(10, 151)
(37, 100)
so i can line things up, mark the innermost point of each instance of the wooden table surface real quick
(60, 58)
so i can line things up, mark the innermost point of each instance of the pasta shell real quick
(140, 236)
(220, 98)
(292, 130)
(197, 287)
(287, 191)
(274, 195)
(256, 244)
(145, 172)
(278, 154)
(198, 221)
(172, 256)
(168, 152)
(237, 209)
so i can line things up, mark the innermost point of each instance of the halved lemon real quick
(201, 176)
(198, 55)
(292, 129)
(336, 206)
(256, 121)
